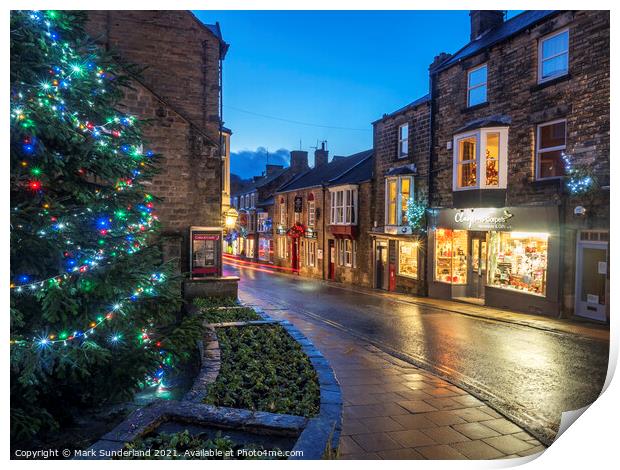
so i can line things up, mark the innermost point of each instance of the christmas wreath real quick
(296, 231)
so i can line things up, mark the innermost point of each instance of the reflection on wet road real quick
(529, 374)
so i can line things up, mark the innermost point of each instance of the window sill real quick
(550, 82)
(474, 107)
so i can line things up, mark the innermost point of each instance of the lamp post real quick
(230, 218)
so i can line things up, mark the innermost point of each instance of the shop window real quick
(263, 249)
(451, 256)
(477, 85)
(408, 259)
(550, 145)
(281, 242)
(311, 253)
(553, 56)
(518, 261)
(403, 140)
(249, 248)
(480, 159)
(398, 192)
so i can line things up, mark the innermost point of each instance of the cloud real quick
(248, 163)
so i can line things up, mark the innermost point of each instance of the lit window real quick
(403, 140)
(262, 218)
(311, 213)
(480, 159)
(311, 253)
(408, 259)
(281, 242)
(477, 86)
(553, 56)
(451, 256)
(282, 212)
(343, 206)
(398, 192)
(550, 144)
(518, 261)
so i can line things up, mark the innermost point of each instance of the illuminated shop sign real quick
(527, 219)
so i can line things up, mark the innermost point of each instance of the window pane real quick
(392, 190)
(404, 131)
(477, 95)
(552, 135)
(550, 164)
(404, 148)
(555, 45)
(467, 149)
(492, 159)
(405, 194)
(478, 76)
(408, 259)
(555, 66)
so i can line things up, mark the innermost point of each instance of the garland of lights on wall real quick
(579, 180)
(415, 213)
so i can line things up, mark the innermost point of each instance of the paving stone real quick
(468, 400)
(477, 450)
(375, 442)
(413, 395)
(441, 452)
(412, 438)
(502, 426)
(490, 411)
(419, 385)
(444, 418)
(444, 403)
(508, 444)
(381, 424)
(353, 426)
(475, 430)
(441, 392)
(523, 436)
(416, 406)
(349, 446)
(401, 454)
(472, 414)
(445, 435)
(532, 451)
(371, 411)
(412, 377)
(415, 421)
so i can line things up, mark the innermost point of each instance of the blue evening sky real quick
(338, 69)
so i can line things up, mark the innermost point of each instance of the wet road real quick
(528, 374)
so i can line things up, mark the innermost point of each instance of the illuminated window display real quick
(408, 259)
(518, 261)
(451, 256)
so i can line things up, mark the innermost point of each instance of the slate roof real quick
(497, 120)
(359, 173)
(260, 182)
(324, 174)
(506, 30)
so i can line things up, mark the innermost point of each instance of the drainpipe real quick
(562, 237)
(431, 154)
(323, 233)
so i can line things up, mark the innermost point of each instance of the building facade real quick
(179, 92)
(402, 150)
(515, 113)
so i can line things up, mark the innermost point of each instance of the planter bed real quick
(264, 369)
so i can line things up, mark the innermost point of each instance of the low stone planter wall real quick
(317, 437)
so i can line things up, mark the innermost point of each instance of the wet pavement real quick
(529, 374)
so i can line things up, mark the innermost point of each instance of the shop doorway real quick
(477, 264)
(381, 255)
(591, 276)
(295, 254)
(331, 260)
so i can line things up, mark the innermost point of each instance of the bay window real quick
(553, 56)
(480, 159)
(399, 190)
(550, 145)
(343, 206)
(477, 85)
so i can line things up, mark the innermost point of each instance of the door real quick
(295, 254)
(331, 261)
(477, 264)
(591, 280)
(381, 265)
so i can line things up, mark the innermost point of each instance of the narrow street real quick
(530, 375)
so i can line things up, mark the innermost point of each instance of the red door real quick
(295, 254)
(331, 267)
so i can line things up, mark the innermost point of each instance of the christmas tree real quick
(94, 312)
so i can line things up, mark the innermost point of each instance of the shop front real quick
(500, 257)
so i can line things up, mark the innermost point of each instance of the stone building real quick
(320, 228)
(179, 91)
(402, 150)
(254, 200)
(514, 111)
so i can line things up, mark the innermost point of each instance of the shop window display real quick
(451, 256)
(408, 259)
(518, 261)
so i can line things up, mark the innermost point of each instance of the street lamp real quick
(231, 216)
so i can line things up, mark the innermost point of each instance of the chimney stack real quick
(299, 161)
(484, 20)
(271, 169)
(320, 156)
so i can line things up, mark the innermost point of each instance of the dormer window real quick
(553, 56)
(477, 85)
(480, 159)
(403, 140)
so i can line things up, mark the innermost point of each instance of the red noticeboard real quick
(205, 251)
